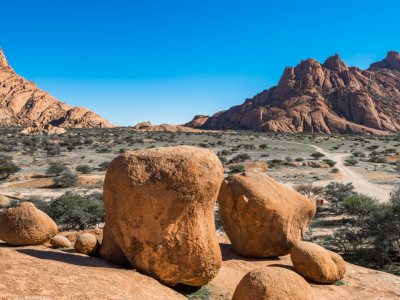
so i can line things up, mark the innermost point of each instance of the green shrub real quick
(237, 168)
(104, 165)
(74, 210)
(66, 179)
(56, 169)
(7, 167)
(240, 158)
(84, 169)
(223, 160)
(299, 159)
(351, 162)
(317, 155)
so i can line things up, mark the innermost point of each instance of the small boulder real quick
(320, 165)
(316, 263)
(60, 242)
(262, 217)
(273, 283)
(87, 244)
(294, 164)
(159, 207)
(25, 225)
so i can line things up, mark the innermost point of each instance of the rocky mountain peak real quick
(3, 60)
(335, 63)
(392, 61)
(22, 103)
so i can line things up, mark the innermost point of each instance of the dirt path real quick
(346, 175)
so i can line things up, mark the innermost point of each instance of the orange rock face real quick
(26, 225)
(197, 122)
(273, 283)
(316, 263)
(159, 207)
(22, 103)
(323, 98)
(262, 217)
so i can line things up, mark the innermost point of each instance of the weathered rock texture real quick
(39, 128)
(197, 122)
(262, 217)
(142, 125)
(26, 225)
(316, 263)
(87, 244)
(22, 103)
(323, 98)
(273, 283)
(38, 273)
(160, 213)
(60, 242)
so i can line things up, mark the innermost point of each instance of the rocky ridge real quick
(327, 98)
(22, 103)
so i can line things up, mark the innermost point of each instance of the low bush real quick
(237, 168)
(66, 180)
(84, 169)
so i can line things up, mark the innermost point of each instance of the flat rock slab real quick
(40, 273)
(45, 273)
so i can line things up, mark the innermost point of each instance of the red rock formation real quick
(323, 98)
(22, 103)
(197, 121)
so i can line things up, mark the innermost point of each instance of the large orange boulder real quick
(160, 213)
(273, 283)
(262, 217)
(26, 225)
(316, 263)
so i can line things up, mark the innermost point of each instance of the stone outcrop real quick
(316, 263)
(262, 217)
(142, 125)
(273, 283)
(327, 98)
(60, 242)
(159, 207)
(39, 128)
(197, 122)
(164, 127)
(22, 103)
(39, 273)
(26, 225)
(87, 244)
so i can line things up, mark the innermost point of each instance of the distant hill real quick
(22, 103)
(322, 98)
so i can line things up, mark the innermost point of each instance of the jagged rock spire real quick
(3, 60)
(335, 63)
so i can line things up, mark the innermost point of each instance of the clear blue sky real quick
(166, 61)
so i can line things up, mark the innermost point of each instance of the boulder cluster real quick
(160, 220)
(39, 128)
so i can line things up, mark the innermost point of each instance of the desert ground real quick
(269, 152)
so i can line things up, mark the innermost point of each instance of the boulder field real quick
(323, 98)
(160, 227)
